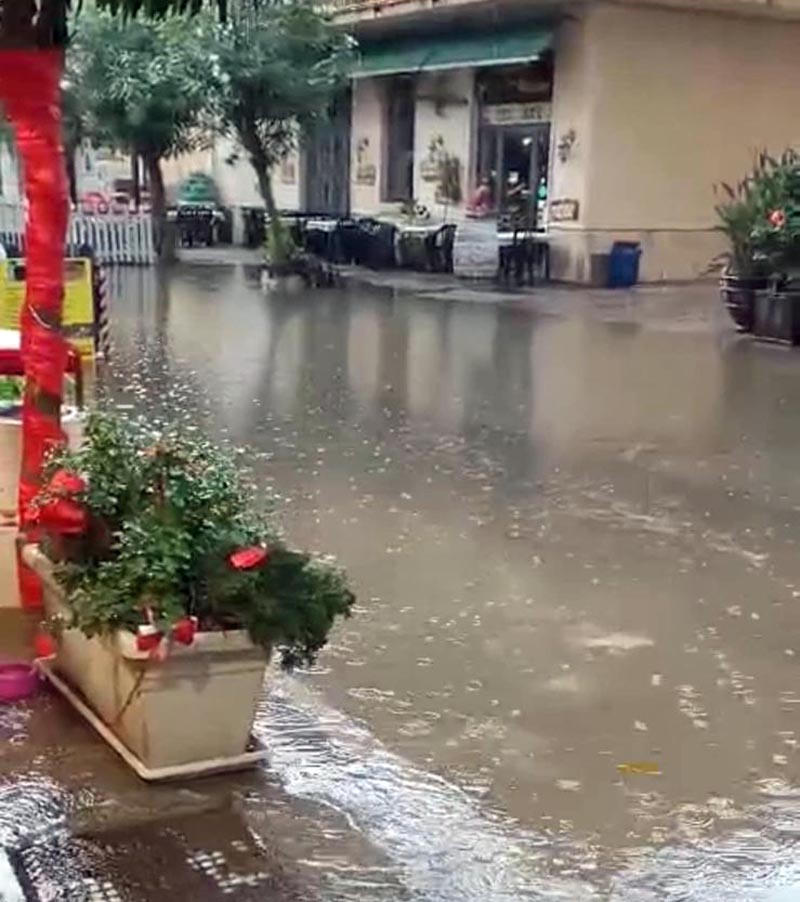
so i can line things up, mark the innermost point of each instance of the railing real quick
(335, 7)
(124, 239)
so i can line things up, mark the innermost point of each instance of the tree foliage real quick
(160, 87)
(280, 65)
(144, 83)
(144, 87)
(44, 23)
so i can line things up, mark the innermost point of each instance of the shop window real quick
(400, 110)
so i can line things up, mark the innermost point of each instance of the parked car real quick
(93, 203)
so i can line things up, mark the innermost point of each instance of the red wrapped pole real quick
(30, 92)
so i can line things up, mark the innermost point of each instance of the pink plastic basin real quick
(17, 681)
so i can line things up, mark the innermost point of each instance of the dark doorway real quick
(326, 168)
(400, 110)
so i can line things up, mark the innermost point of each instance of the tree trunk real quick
(29, 89)
(279, 243)
(158, 203)
(72, 175)
(137, 188)
(278, 238)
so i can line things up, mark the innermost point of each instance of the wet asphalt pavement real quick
(572, 522)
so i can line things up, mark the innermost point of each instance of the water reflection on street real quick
(574, 539)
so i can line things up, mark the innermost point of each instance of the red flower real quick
(63, 516)
(248, 558)
(777, 219)
(183, 631)
(44, 645)
(64, 482)
(148, 638)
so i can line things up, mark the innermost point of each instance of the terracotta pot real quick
(738, 294)
(197, 705)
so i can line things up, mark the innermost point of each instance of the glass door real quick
(513, 161)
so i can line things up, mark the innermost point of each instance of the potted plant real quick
(167, 592)
(744, 216)
(744, 272)
(777, 309)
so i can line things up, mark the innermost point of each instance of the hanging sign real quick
(517, 113)
(564, 210)
(78, 312)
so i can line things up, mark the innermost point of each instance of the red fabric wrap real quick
(30, 93)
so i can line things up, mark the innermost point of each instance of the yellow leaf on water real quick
(642, 768)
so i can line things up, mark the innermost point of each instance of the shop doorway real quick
(326, 155)
(513, 160)
(400, 111)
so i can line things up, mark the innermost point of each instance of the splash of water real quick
(448, 847)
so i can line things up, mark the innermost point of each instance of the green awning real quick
(519, 44)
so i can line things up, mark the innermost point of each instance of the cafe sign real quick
(517, 113)
(564, 210)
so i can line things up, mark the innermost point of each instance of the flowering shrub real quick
(759, 216)
(778, 234)
(157, 534)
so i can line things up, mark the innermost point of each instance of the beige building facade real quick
(617, 118)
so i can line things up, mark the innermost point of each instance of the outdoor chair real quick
(346, 242)
(439, 248)
(254, 227)
(525, 261)
(376, 244)
(318, 242)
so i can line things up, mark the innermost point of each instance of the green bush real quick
(166, 513)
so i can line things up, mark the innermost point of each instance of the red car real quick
(93, 203)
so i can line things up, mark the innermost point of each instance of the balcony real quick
(365, 11)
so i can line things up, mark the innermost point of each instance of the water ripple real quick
(448, 847)
(32, 808)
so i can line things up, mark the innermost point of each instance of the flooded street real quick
(572, 523)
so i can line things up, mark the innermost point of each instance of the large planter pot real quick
(738, 294)
(777, 316)
(197, 705)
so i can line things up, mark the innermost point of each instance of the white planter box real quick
(11, 452)
(196, 706)
(9, 597)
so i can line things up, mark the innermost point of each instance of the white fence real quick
(126, 239)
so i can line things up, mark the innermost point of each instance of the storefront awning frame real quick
(512, 45)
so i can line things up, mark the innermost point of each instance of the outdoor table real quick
(420, 229)
(321, 225)
(336, 240)
(196, 224)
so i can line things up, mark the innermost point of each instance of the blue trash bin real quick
(623, 264)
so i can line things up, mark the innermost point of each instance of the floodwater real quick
(572, 523)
